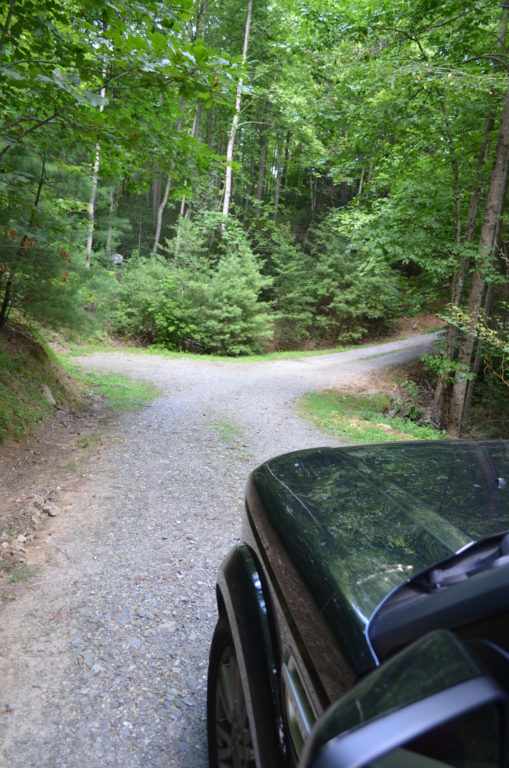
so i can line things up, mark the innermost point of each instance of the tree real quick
(235, 121)
(484, 267)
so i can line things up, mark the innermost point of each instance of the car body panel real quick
(348, 556)
(358, 522)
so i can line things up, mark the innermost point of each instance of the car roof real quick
(360, 521)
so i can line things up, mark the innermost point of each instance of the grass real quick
(360, 418)
(27, 365)
(228, 432)
(19, 573)
(88, 349)
(122, 393)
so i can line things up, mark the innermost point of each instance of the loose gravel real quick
(103, 653)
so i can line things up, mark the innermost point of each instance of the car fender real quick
(241, 594)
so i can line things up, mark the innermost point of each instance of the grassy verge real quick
(26, 367)
(88, 349)
(29, 368)
(121, 392)
(360, 418)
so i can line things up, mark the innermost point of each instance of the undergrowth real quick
(362, 418)
(29, 368)
(26, 365)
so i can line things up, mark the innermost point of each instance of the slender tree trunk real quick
(287, 159)
(8, 296)
(477, 359)
(164, 201)
(156, 194)
(209, 128)
(262, 167)
(160, 212)
(279, 175)
(194, 131)
(361, 182)
(235, 122)
(312, 192)
(93, 192)
(454, 167)
(487, 242)
(113, 206)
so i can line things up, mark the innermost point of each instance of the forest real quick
(228, 177)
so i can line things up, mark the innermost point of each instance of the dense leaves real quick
(367, 167)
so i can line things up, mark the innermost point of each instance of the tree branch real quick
(33, 128)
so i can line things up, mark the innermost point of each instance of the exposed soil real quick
(37, 478)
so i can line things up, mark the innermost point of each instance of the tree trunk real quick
(194, 131)
(477, 359)
(156, 193)
(279, 174)
(113, 207)
(231, 142)
(93, 192)
(260, 185)
(442, 392)
(287, 158)
(8, 296)
(440, 404)
(487, 242)
(312, 192)
(164, 201)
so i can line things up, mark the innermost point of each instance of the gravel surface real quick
(103, 654)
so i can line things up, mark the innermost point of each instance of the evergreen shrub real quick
(204, 295)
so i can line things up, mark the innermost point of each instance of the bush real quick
(351, 294)
(143, 305)
(206, 297)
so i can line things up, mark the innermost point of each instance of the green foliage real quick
(232, 318)
(196, 302)
(492, 335)
(440, 365)
(143, 306)
(26, 365)
(408, 406)
(489, 412)
(352, 291)
(292, 299)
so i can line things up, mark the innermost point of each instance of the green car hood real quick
(357, 522)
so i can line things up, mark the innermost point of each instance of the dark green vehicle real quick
(364, 618)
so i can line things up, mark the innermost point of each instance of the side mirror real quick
(430, 706)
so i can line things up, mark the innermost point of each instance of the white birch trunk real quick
(93, 192)
(231, 142)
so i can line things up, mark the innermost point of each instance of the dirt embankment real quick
(37, 477)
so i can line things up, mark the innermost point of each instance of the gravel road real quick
(103, 654)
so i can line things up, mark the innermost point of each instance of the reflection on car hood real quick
(359, 521)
